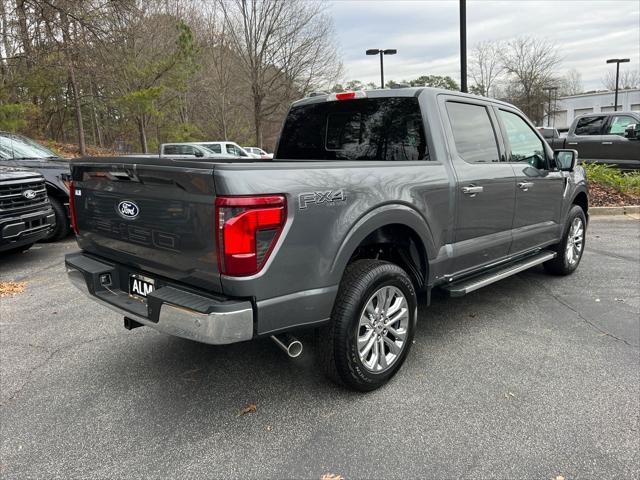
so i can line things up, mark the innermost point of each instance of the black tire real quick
(62, 227)
(337, 343)
(562, 265)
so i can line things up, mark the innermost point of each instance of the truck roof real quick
(402, 92)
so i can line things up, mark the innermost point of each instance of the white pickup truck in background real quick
(204, 150)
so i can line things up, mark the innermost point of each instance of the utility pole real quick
(549, 89)
(463, 46)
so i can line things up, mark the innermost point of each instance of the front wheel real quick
(569, 250)
(372, 325)
(62, 226)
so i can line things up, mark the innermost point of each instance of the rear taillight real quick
(247, 230)
(72, 207)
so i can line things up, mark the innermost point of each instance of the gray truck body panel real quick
(459, 235)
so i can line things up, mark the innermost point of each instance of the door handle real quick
(607, 143)
(472, 190)
(572, 143)
(524, 186)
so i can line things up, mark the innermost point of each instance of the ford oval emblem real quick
(29, 194)
(127, 209)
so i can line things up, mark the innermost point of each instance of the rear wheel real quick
(372, 325)
(569, 250)
(62, 227)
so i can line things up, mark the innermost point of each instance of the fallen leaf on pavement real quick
(8, 289)
(331, 476)
(250, 408)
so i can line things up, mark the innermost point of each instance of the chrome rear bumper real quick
(170, 310)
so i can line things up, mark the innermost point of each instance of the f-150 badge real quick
(328, 197)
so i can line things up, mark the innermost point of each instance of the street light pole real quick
(463, 46)
(381, 69)
(549, 89)
(381, 52)
(617, 61)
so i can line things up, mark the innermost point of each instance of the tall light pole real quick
(381, 52)
(463, 46)
(549, 89)
(617, 61)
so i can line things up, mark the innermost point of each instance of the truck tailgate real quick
(156, 216)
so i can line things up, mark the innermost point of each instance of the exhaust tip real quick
(295, 349)
(289, 344)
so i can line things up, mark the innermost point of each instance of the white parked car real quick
(186, 150)
(226, 149)
(260, 152)
(204, 150)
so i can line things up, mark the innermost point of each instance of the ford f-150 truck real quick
(612, 138)
(25, 212)
(371, 197)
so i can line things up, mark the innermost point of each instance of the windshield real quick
(18, 147)
(387, 128)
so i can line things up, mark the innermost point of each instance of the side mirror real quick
(566, 160)
(632, 132)
(199, 154)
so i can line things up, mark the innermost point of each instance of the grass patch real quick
(608, 176)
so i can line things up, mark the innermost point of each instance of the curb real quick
(605, 211)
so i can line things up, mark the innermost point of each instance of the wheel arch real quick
(392, 225)
(56, 192)
(582, 200)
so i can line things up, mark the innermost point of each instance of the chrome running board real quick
(462, 287)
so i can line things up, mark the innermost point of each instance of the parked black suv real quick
(22, 152)
(25, 212)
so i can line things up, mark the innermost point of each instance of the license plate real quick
(140, 286)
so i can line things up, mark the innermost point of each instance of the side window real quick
(589, 126)
(170, 150)
(187, 150)
(473, 132)
(232, 150)
(619, 124)
(214, 147)
(526, 146)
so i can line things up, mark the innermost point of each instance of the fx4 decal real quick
(328, 197)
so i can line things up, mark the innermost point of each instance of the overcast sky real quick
(426, 34)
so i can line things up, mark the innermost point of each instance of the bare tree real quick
(284, 49)
(529, 64)
(628, 79)
(571, 83)
(485, 67)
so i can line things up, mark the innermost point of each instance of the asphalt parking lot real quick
(533, 377)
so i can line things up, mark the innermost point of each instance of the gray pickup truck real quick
(611, 138)
(372, 197)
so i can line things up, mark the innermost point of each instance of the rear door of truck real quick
(154, 215)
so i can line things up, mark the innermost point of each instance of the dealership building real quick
(572, 106)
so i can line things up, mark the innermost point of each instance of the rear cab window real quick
(386, 128)
(473, 132)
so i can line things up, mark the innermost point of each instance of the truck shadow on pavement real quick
(176, 374)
